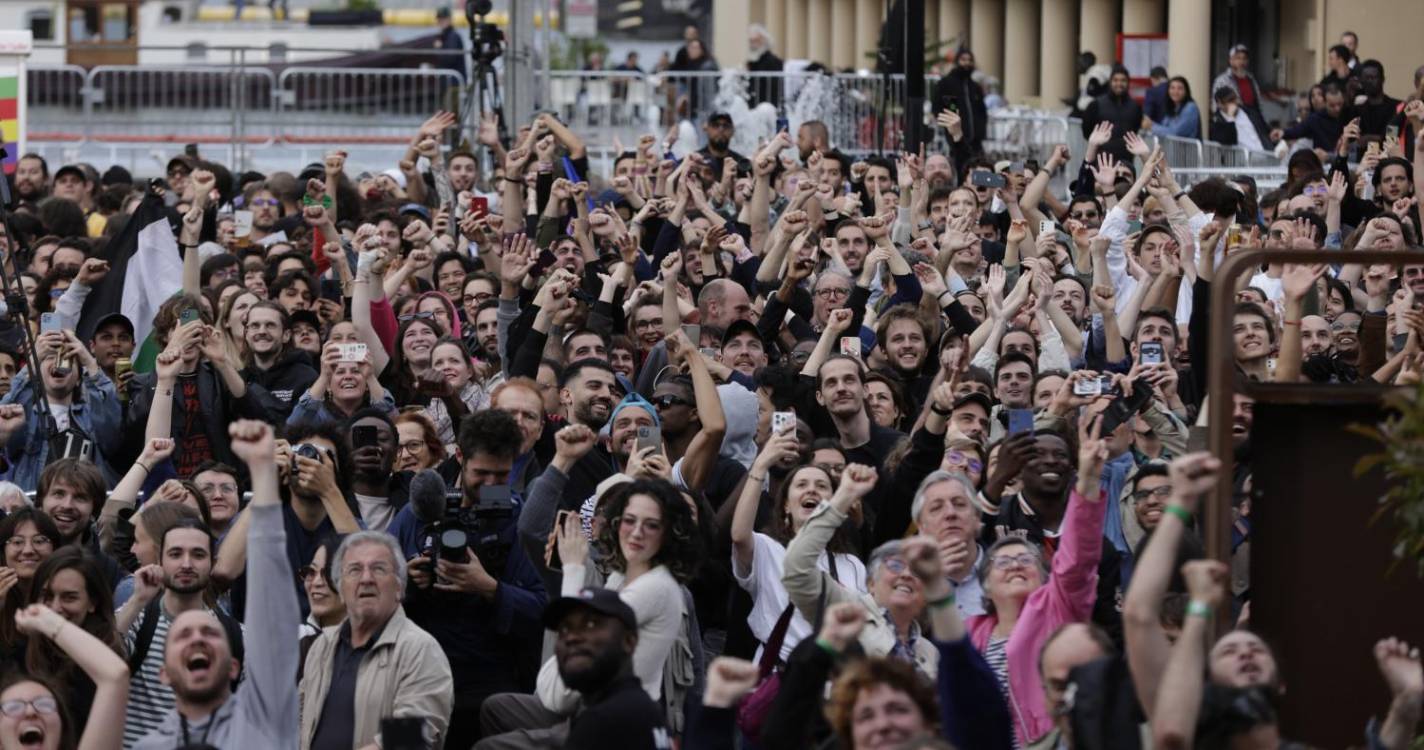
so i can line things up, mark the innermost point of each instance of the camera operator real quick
(485, 618)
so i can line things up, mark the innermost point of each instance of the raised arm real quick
(125, 493)
(701, 455)
(167, 363)
(105, 668)
(837, 323)
(189, 235)
(1296, 281)
(777, 447)
(1147, 644)
(1179, 695)
(803, 580)
(270, 685)
(1399, 665)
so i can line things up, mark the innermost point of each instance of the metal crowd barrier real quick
(245, 107)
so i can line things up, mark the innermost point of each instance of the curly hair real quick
(867, 674)
(681, 548)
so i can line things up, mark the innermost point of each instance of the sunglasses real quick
(427, 315)
(959, 457)
(669, 400)
(265, 202)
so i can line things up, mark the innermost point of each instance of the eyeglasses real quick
(1083, 215)
(1005, 562)
(1158, 492)
(226, 488)
(427, 315)
(413, 447)
(37, 541)
(378, 570)
(958, 457)
(308, 573)
(669, 400)
(1315, 190)
(832, 291)
(16, 708)
(1345, 328)
(650, 323)
(895, 565)
(478, 299)
(265, 202)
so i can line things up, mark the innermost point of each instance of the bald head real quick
(723, 302)
(1314, 335)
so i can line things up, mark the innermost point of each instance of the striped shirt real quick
(996, 653)
(149, 699)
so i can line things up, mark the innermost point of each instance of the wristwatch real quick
(924, 225)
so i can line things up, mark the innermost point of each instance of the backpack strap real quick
(146, 628)
(771, 650)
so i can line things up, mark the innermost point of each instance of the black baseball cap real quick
(304, 316)
(112, 318)
(718, 117)
(117, 175)
(602, 601)
(184, 161)
(739, 327)
(73, 169)
(974, 397)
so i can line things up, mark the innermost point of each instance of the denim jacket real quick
(97, 414)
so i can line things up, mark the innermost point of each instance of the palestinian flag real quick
(145, 269)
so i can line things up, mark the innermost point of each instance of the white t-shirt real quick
(769, 597)
(376, 512)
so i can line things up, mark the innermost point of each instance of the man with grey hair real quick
(377, 664)
(944, 509)
(760, 59)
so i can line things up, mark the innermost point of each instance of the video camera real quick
(459, 530)
(486, 39)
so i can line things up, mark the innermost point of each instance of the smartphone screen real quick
(1151, 353)
(50, 322)
(1020, 420)
(546, 259)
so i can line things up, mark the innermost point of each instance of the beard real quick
(585, 415)
(719, 144)
(600, 672)
(199, 584)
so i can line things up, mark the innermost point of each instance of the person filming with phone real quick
(470, 585)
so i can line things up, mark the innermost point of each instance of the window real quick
(41, 25)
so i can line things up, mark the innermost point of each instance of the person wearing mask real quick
(198, 661)
(597, 639)
(377, 664)
(482, 616)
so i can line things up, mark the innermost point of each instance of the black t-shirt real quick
(623, 716)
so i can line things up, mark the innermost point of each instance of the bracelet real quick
(1180, 512)
(942, 412)
(146, 470)
(940, 296)
(825, 644)
(507, 178)
(755, 478)
(1290, 322)
(943, 601)
(1178, 195)
(1199, 609)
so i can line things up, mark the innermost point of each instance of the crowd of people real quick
(783, 449)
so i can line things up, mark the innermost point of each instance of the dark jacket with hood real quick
(968, 98)
(286, 380)
(218, 408)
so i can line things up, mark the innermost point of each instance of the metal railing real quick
(254, 111)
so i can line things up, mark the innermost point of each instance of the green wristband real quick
(1200, 609)
(825, 644)
(1181, 513)
(944, 601)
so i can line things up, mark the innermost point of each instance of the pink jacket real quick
(1066, 597)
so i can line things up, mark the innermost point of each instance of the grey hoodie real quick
(263, 711)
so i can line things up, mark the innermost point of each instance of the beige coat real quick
(404, 674)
